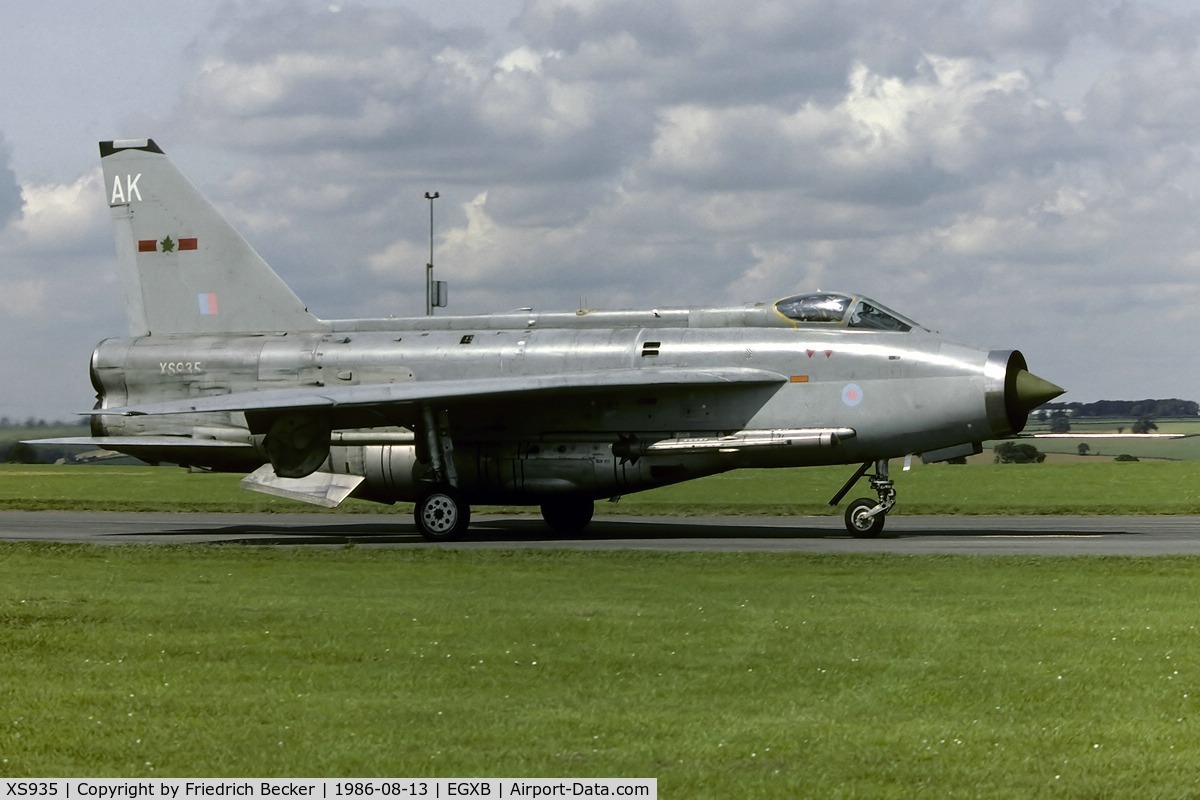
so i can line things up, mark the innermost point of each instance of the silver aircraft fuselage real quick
(226, 368)
(842, 395)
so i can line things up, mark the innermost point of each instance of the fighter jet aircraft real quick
(225, 368)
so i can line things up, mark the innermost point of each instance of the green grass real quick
(129, 488)
(721, 675)
(1087, 487)
(1084, 488)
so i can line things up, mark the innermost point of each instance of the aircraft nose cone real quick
(1030, 391)
(1013, 391)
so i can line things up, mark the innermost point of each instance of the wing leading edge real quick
(474, 389)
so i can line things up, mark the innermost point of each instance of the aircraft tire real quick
(441, 514)
(861, 527)
(568, 514)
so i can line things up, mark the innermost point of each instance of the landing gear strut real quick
(864, 517)
(441, 512)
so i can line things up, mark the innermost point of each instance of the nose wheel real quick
(865, 517)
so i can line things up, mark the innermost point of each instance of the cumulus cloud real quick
(10, 191)
(886, 139)
(54, 246)
(968, 162)
(63, 218)
(55, 272)
(642, 137)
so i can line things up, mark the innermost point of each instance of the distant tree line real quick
(1136, 409)
(8, 423)
(14, 451)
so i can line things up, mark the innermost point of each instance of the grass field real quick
(721, 675)
(1075, 486)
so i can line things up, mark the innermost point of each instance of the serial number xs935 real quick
(180, 367)
(31, 789)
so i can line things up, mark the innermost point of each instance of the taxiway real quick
(970, 535)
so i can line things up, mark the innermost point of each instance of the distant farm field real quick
(1074, 485)
(1101, 445)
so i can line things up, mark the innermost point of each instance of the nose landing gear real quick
(865, 517)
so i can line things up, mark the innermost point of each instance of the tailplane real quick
(184, 268)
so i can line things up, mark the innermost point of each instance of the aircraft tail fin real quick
(183, 266)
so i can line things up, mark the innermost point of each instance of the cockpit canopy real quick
(830, 308)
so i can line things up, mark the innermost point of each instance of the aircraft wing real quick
(112, 442)
(216, 453)
(474, 389)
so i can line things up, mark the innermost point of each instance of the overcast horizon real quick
(1012, 174)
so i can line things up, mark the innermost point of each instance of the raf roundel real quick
(852, 394)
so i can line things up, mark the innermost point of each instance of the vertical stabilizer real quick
(184, 268)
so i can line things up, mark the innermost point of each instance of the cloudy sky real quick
(1013, 173)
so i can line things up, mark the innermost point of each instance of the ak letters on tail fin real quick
(183, 266)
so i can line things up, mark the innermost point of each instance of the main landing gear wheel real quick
(441, 514)
(567, 515)
(859, 523)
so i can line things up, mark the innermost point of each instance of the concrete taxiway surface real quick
(983, 535)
